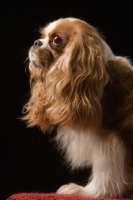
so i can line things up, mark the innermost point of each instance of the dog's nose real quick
(38, 43)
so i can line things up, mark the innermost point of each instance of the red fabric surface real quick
(37, 196)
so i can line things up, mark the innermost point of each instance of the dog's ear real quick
(76, 81)
(69, 93)
(34, 109)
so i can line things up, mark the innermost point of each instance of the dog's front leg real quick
(108, 178)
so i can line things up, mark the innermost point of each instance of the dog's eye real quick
(57, 40)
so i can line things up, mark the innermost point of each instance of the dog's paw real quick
(70, 189)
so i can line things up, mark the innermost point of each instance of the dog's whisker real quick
(27, 69)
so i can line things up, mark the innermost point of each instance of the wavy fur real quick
(79, 85)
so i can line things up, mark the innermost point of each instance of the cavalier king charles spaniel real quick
(80, 87)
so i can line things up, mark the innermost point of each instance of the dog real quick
(79, 86)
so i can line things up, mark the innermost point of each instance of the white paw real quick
(71, 189)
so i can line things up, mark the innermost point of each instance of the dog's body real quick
(79, 85)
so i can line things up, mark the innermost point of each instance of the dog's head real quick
(68, 68)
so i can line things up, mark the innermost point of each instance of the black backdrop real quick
(29, 161)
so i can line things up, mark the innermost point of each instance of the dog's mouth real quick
(34, 60)
(41, 58)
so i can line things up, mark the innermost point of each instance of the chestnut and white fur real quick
(79, 86)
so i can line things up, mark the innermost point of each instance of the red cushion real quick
(37, 196)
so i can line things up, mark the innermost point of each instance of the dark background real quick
(29, 160)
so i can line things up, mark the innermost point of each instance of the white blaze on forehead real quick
(51, 26)
(72, 19)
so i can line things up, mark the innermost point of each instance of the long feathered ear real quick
(69, 93)
(75, 83)
(34, 110)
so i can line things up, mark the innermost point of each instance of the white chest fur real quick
(77, 146)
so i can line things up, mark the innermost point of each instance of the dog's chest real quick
(77, 146)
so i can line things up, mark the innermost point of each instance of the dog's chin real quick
(41, 59)
(36, 64)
